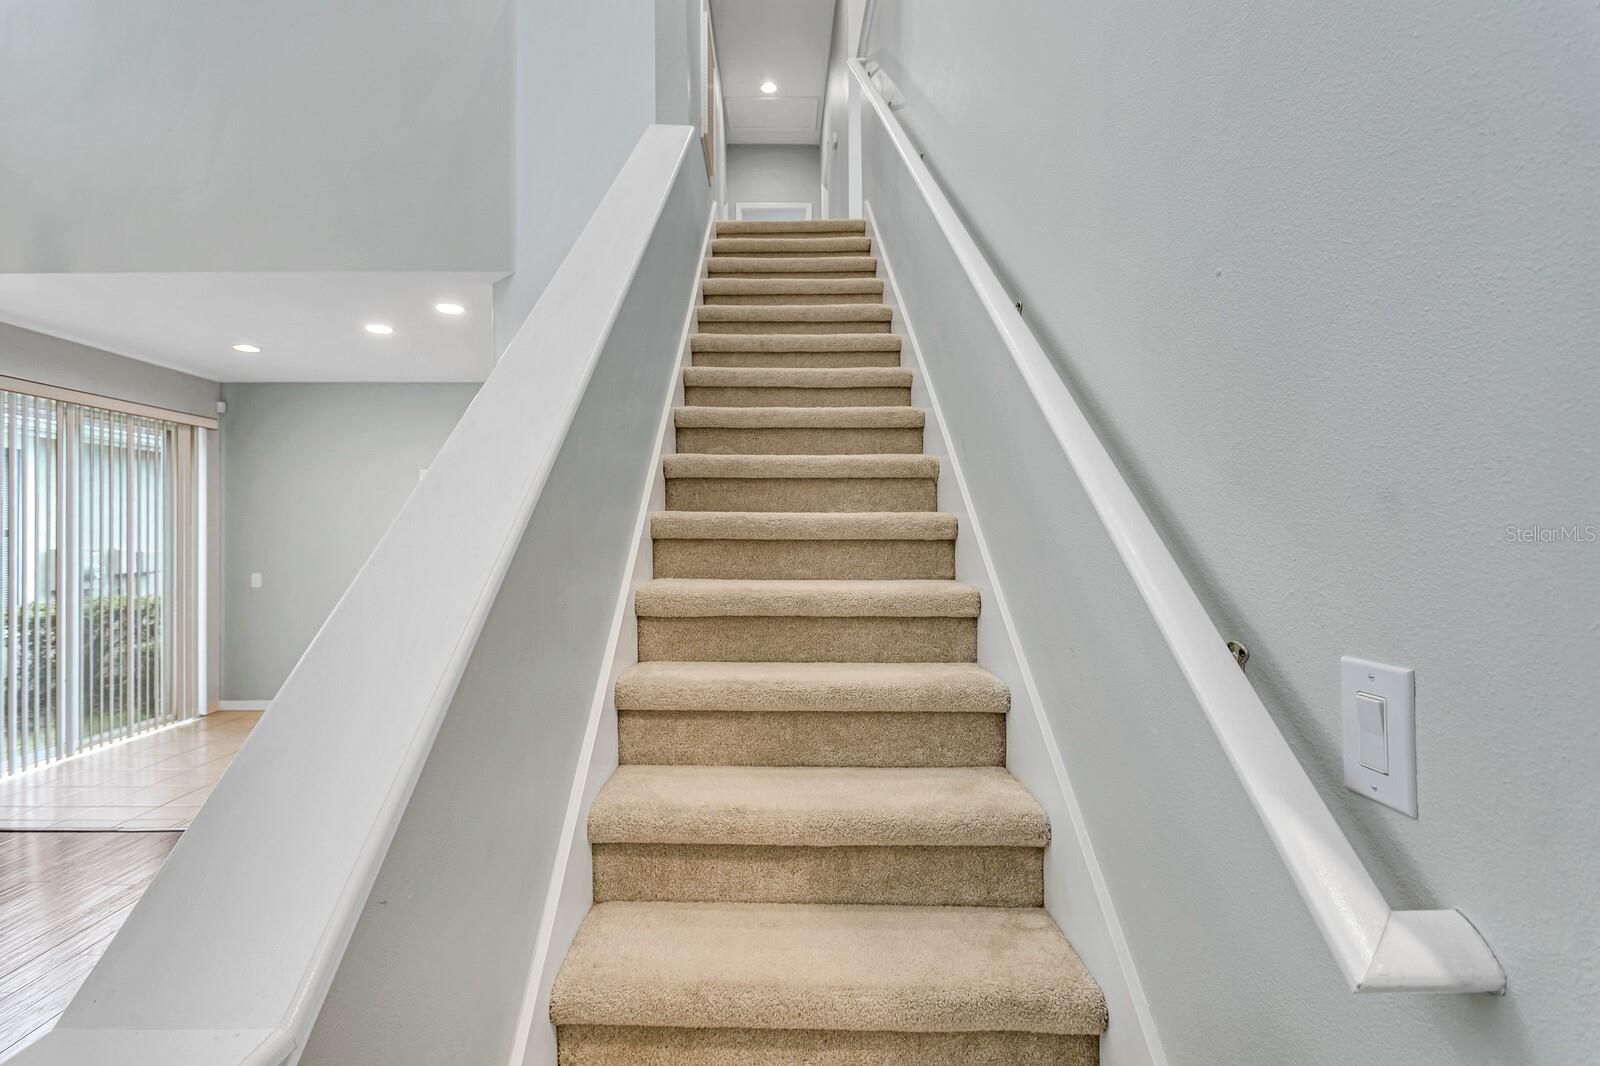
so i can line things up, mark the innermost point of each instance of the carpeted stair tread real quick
(824, 313)
(690, 597)
(822, 264)
(792, 287)
(907, 688)
(811, 852)
(828, 967)
(782, 245)
(697, 465)
(802, 525)
(762, 377)
(799, 418)
(794, 342)
(818, 807)
(747, 228)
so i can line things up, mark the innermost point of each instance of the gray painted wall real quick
(1324, 277)
(778, 173)
(53, 361)
(679, 67)
(585, 91)
(139, 137)
(312, 476)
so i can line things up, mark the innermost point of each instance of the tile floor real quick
(153, 782)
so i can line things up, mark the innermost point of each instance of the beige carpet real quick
(812, 852)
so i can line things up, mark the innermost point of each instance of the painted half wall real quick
(1324, 278)
(774, 173)
(313, 474)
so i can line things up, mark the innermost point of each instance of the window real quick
(98, 576)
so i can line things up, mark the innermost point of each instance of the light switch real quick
(255, 580)
(1372, 721)
(1378, 703)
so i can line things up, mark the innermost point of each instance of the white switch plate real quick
(255, 580)
(1362, 684)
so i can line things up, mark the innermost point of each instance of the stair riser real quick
(790, 328)
(739, 638)
(794, 244)
(789, 247)
(798, 299)
(767, 273)
(791, 360)
(811, 738)
(761, 396)
(802, 494)
(900, 876)
(799, 441)
(582, 1045)
(821, 266)
(839, 560)
(809, 227)
(818, 253)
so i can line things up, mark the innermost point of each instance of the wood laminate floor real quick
(62, 896)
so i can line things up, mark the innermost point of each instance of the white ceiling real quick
(308, 326)
(785, 41)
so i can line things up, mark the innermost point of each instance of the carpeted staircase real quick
(812, 852)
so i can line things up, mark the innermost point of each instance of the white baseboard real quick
(243, 705)
(1076, 893)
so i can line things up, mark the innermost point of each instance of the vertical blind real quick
(97, 577)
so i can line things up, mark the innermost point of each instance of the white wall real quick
(585, 91)
(774, 173)
(1324, 278)
(312, 476)
(52, 361)
(195, 135)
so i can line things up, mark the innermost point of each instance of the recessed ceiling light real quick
(449, 309)
(379, 328)
(769, 87)
(248, 349)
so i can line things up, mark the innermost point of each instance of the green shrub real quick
(104, 664)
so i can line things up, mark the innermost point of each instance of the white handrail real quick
(229, 955)
(1378, 949)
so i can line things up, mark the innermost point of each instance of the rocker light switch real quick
(1371, 721)
(1380, 735)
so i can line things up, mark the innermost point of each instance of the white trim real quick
(1377, 948)
(597, 758)
(738, 208)
(1054, 773)
(105, 403)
